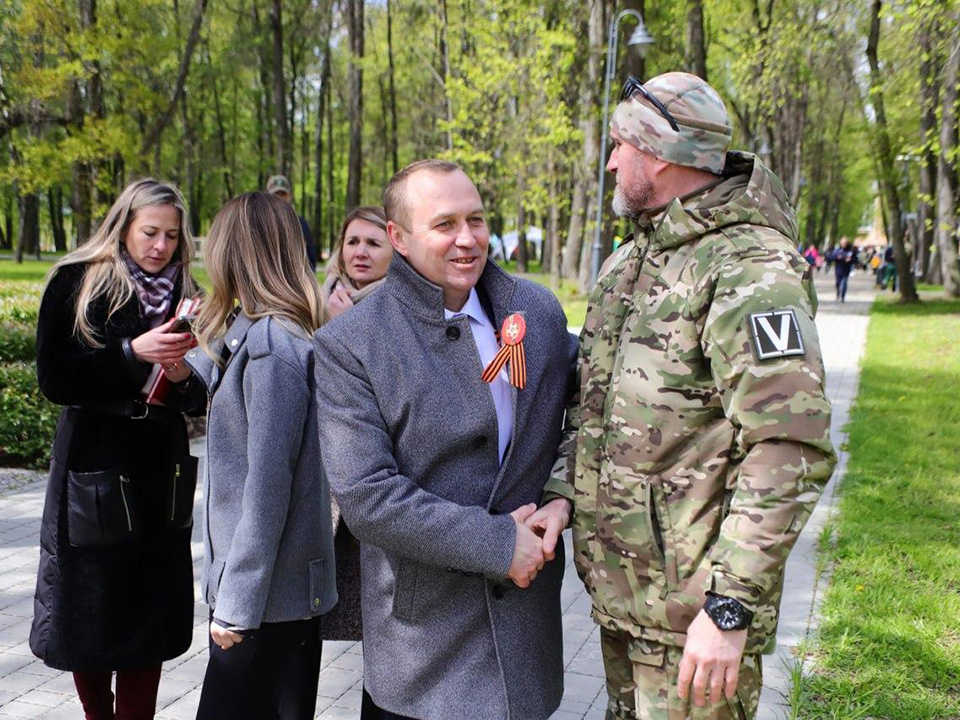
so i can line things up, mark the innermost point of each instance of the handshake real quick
(538, 532)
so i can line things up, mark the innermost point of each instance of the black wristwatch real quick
(727, 613)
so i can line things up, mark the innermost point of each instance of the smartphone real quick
(183, 324)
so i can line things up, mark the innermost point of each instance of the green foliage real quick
(18, 342)
(888, 644)
(27, 419)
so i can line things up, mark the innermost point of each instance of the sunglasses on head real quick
(633, 86)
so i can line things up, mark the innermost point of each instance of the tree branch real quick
(152, 137)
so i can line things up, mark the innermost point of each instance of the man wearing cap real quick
(279, 185)
(704, 432)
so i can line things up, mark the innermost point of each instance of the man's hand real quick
(224, 638)
(528, 552)
(711, 659)
(548, 522)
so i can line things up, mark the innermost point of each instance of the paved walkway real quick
(29, 689)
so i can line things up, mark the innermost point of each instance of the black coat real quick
(115, 584)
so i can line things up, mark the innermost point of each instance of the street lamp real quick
(642, 40)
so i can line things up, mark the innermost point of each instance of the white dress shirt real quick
(484, 334)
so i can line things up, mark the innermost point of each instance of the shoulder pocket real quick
(103, 508)
(181, 484)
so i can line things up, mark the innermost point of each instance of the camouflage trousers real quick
(642, 683)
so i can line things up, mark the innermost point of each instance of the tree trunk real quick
(318, 156)
(102, 179)
(521, 230)
(696, 47)
(355, 159)
(188, 146)
(81, 183)
(221, 136)
(929, 96)
(445, 59)
(394, 144)
(946, 230)
(265, 144)
(885, 157)
(279, 95)
(552, 259)
(29, 240)
(55, 207)
(331, 222)
(585, 171)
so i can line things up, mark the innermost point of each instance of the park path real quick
(28, 689)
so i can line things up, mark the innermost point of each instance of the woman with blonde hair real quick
(360, 260)
(115, 583)
(268, 571)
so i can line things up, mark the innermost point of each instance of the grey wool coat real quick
(409, 434)
(267, 533)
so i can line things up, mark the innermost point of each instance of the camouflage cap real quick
(705, 132)
(278, 183)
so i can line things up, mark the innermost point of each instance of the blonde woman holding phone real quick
(268, 569)
(115, 583)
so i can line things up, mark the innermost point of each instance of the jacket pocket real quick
(181, 484)
(214, 575)
(316, 585)
(625, 524)
(405, 589)
(103, 508)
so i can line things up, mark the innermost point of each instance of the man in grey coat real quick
(435, 470)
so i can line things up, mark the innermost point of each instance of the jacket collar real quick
(205, 367)
(426, 299)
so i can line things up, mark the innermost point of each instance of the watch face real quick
(727, 613)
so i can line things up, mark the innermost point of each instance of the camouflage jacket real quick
(701, 441)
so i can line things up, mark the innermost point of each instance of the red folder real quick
(158, 386)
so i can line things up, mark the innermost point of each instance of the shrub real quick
(18, 342)
(27, 419)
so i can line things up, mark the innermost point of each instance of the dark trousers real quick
(136, 693)
(271, 675)
(842, 287)
(390, 716)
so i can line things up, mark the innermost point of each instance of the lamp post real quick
(642, 40)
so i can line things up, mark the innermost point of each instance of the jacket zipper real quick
(126, 507)
(657, 533)
(173, 504)
(655, 527)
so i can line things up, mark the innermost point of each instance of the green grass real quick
(34, 271)
(889, 644)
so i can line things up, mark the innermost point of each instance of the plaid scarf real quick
(154, 290)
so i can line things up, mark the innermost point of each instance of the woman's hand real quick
(339, 302)
(176, 372)
(159, 346)
(225, 639)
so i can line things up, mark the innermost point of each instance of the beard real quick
(631, 205)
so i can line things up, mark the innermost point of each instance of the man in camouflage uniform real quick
(702, 437)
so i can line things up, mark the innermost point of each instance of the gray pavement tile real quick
(335, 681)
(21, 709)
(335, 712)
(45, 698)
(21, 682)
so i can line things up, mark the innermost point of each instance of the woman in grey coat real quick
(268, 570)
